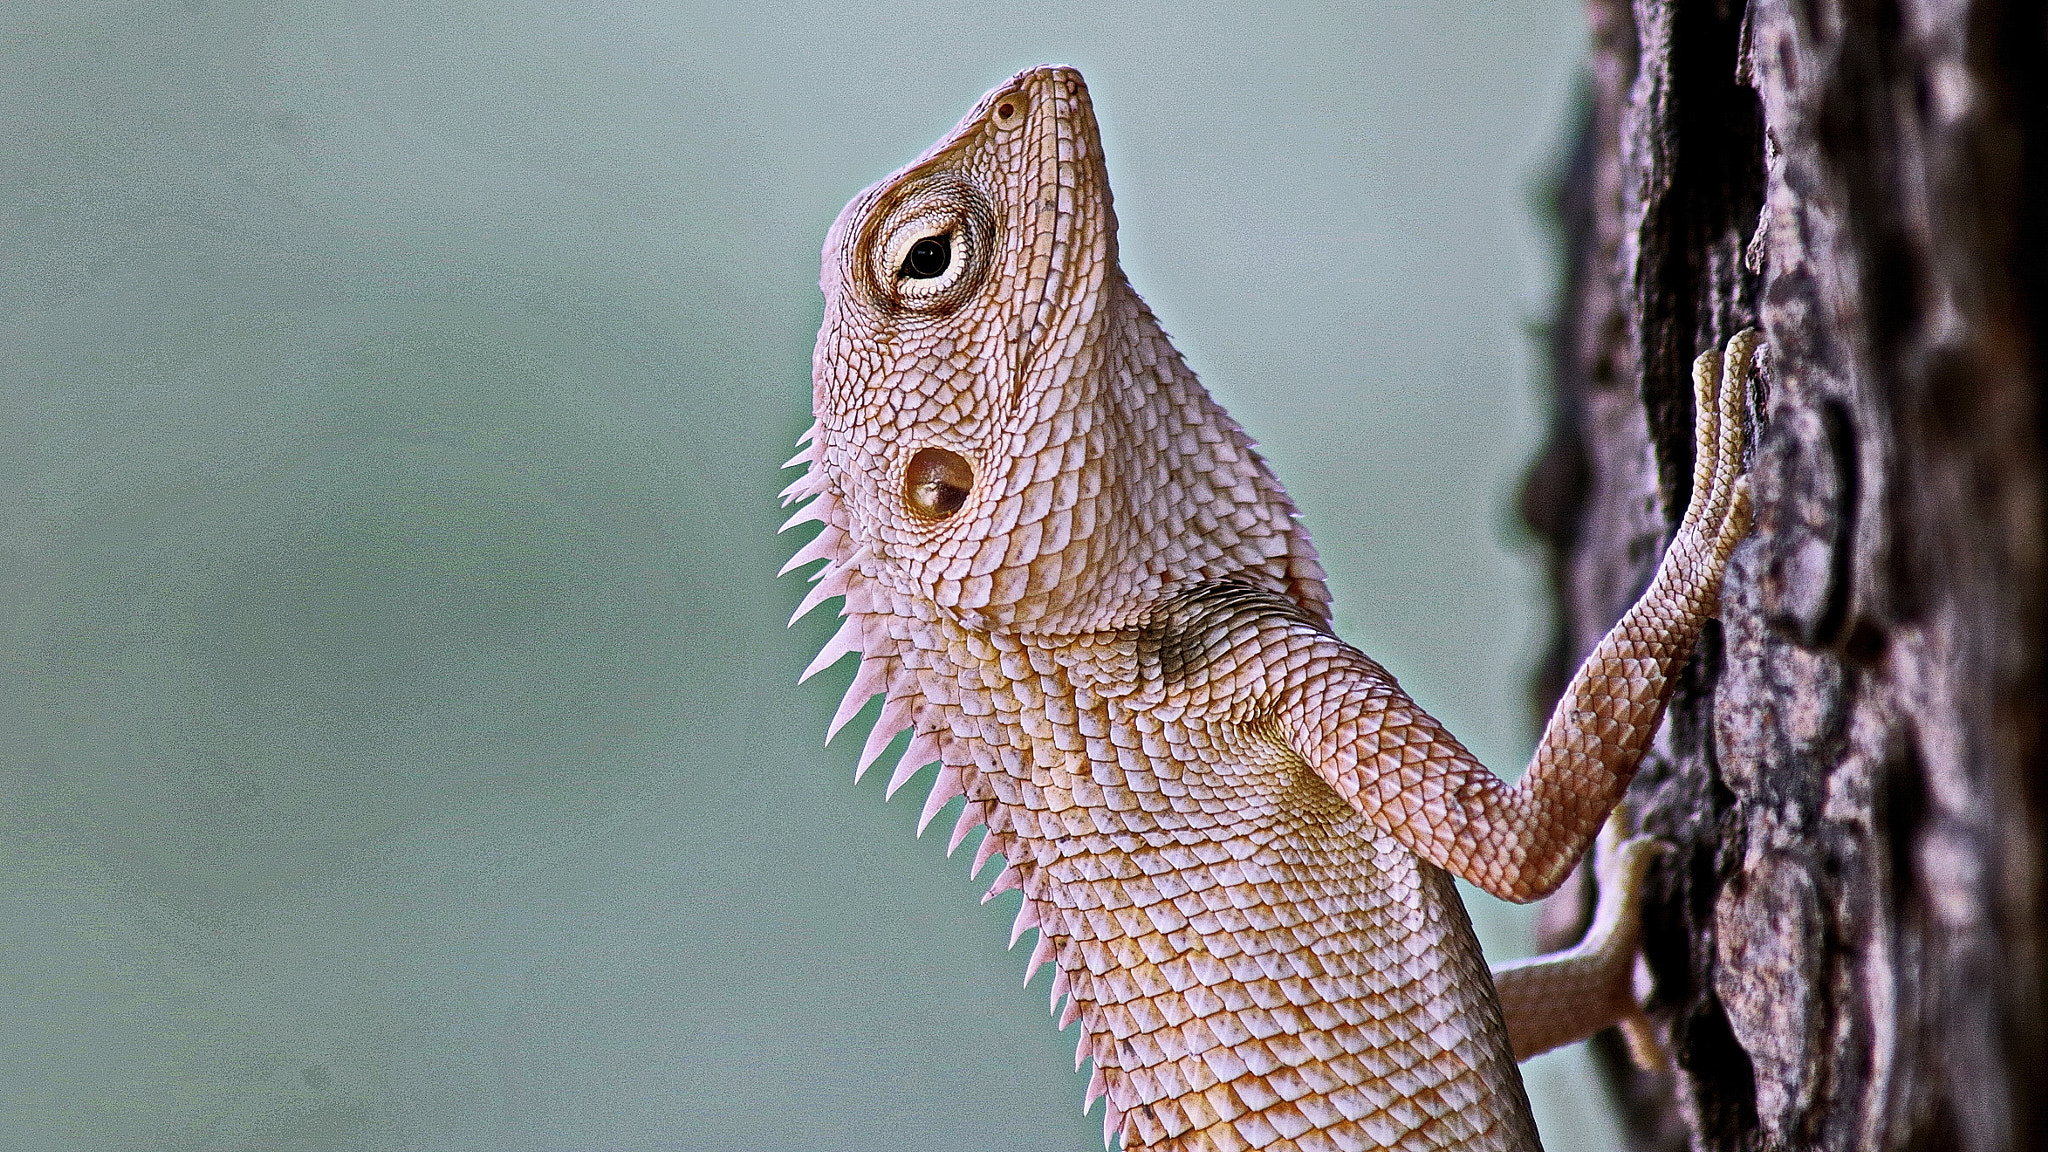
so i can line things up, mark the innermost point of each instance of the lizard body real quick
(1066, 570)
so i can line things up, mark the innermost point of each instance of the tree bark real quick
(1849, 938)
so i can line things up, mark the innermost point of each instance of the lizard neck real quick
(1197, 502)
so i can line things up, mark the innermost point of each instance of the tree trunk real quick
(1848, 939)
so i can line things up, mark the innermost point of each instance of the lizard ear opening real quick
(937, 483)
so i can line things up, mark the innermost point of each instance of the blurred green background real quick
(402, 743)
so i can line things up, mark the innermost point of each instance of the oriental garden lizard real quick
(1067, 572)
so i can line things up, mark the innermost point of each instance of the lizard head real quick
(1005, 430)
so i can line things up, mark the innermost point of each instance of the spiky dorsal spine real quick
(888, 668)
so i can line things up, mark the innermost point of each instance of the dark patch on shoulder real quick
(1187, 631)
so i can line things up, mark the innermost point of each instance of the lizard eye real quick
(930, 243)
(929, 258)
(936, 483)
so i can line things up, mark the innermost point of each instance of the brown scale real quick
(1068, 572)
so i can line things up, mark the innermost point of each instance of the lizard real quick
(1068, 573)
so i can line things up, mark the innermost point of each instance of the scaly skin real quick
(1067, 571)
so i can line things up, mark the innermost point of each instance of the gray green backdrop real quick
(401, 742)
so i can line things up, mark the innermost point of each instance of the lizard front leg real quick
(1398, 766)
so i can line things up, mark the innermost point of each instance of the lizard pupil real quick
(936, 483)
(928, 258)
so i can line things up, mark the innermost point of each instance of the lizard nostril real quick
(936, 483)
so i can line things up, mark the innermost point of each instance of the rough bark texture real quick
(1849, 938)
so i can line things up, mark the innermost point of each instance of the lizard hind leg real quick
(1553, 1000)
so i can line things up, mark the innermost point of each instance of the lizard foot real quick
(1717, 516)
